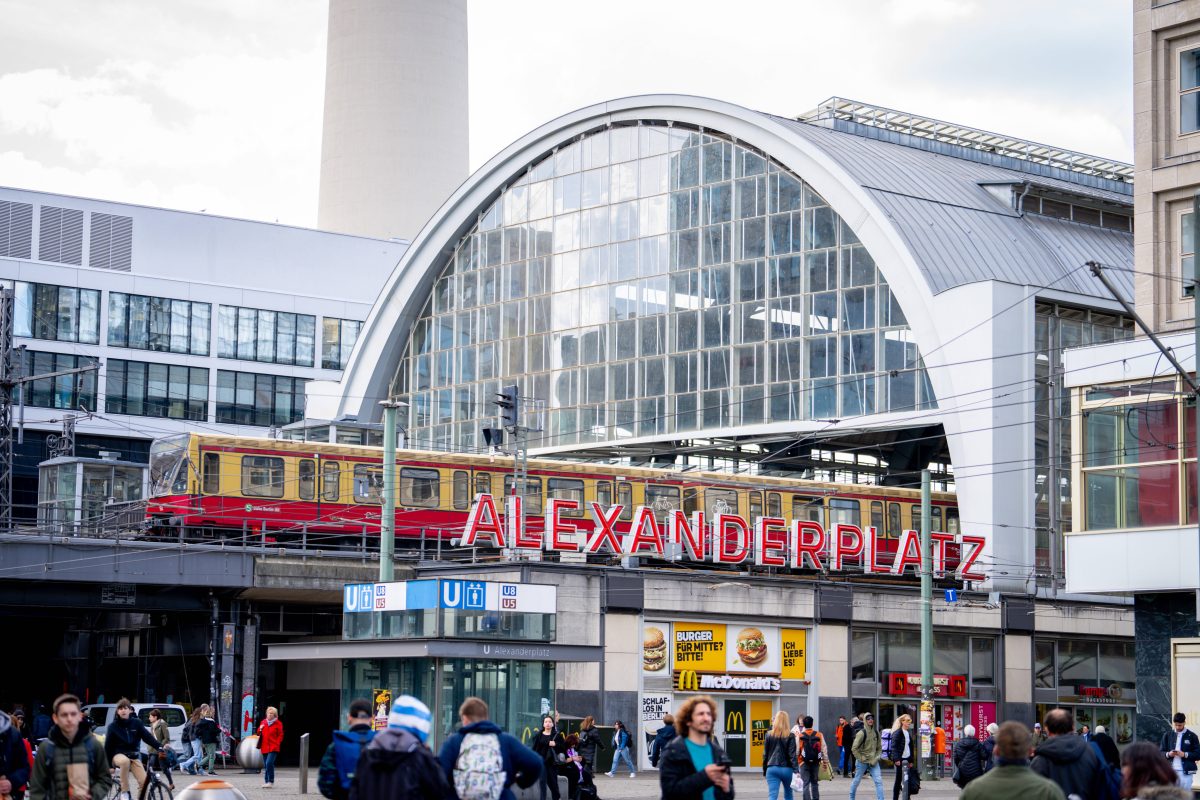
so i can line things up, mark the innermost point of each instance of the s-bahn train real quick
(227, 487)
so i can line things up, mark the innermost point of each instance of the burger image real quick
(654, 649)
(751, 646)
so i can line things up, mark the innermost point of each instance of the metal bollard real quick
(304, 764)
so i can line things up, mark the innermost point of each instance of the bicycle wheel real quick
(158, 791)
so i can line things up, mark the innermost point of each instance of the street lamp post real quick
(387, 522)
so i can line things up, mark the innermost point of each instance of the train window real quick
(462, 489)
(368, 484)
(952, 525)
(774, 504)
(420, 487)
(483, 483)
(329, 481)
(566, 489)
(691, 500)
(755, 505)
(662, 500)
(806, 508)
(532, 494)
(308, 479)
(625, 499)
(936, 513)
(877, 515)
(720, 501)
(211, 466)
(844, 511)
(604, 496)
(894, 524)
(262, 476)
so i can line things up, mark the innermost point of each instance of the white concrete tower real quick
(394, 143)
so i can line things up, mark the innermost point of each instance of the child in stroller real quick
(586, 785)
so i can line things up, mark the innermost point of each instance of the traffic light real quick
(509, 401)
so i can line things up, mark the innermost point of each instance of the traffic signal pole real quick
(926, 723)
(387, 520)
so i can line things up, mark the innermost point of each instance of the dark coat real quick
(779, 752)
(896, 747)
(49, 780)
(1069, 762)
(678, 777)
(396, 764)
(1108, 748)
(521, 765)
(1190, 747)
(14, 760)
(970, 759)
(336, 774)
(124, 735)
(661, 739)
(589, 742)
(541, 746)
(206, 731)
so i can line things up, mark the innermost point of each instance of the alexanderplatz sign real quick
(727, 539)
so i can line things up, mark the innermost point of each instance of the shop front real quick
(751, 670)
(1095, 680)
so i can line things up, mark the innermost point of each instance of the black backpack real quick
(810, 748)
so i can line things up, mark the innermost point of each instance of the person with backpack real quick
(397, 763)
(1068, 760)
(191, 744)
(970, 758)
(270, 742)
(70, 762)
(18, 721)
(867, 749)
(162, 734)
(482, 762)
(341, 757)
(662, 738)
(122, 739)
(1011, 778)
(209, 734)
(590, 741)
(902, 750)
(14, 762)
(779, 757)
(620, 742)
(811, 752)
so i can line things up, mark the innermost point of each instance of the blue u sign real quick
(467, 595)
(358, 597)
(452, 594)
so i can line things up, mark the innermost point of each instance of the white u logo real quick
(451, 594)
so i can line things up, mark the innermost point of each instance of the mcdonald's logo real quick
(526, 735)
(688, 681)
(735, 722)
(899, 684)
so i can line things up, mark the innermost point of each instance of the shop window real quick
(862, 656)
(330, 490)
(950, 655)
(308, 479)
(368, 484)
(1043, 665)
(625, 500)
(1117, 665)
(1077, 663)
(262, 476)
(211, 467)
(462, 489)
(566, 489)
(420, 488)
(983, 662)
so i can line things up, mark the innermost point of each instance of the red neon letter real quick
(940, 551)
(839, 550)
(524, 537)
(802, 546)
(722, 553)
(557, 530)
(871, 564)
(482, 519)
(770, 542)
(690, 535)
(604, 534)
(909, 552)
(643, 532)
(972, 549)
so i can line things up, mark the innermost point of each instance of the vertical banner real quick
(982, 715)
(760, 725)
(249, 679)
(734, 718)
(225, 698)
(656, 649)
(383, 707)
(794, 646)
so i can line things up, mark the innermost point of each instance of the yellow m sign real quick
(688, 681)
(735, 722)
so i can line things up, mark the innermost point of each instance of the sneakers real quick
(609, 774)
(633, 774)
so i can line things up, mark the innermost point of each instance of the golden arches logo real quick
(689, 681)
(735, 722)
(526, 735)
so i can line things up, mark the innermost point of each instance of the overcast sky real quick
(216, 104)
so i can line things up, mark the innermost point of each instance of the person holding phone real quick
(693, 766)
(1182, 748)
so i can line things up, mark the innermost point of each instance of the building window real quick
(57, 313)
(1187, 253)
(156, 390)
(1045, 675)
(1189, 91)
(337, 341)
(245, 398)
(158, 323)
(983, 662)
(862, 656)
(64, 391)
(277, 337)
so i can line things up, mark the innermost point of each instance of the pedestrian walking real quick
(162, 734)
(970, 758)
(664, 735)
(551, 745)
(209, 734)
(867, 749)
(1068, 760)
(620, 743)
(1183, 748)
(1147, 774)
(1109, 753)
(842, 742)
(336, 774)
(191, 764)
(1039, 735)
(989, 744)
(1086, 733)
(14, 758)
(122, 739)
(812, 752)
(902, 750)
(70, 762)
(19, 789)
(270, 740)
(779, 757)
(939, 750)
(482, 761)
(397, 763)
(1012, 779)
(590, 741)
(856, 725)
(693, 763)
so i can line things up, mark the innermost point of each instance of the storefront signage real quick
(464, 595)
(793, 644)
(655, 706)
(1096, 695)
(909, 684)
(699, 646)
(687, 680)
(723, 539)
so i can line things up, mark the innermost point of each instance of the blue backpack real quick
(347, 747)
(1112, 776)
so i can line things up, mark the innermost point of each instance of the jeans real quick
(1185, 780)
(876, 776)
(197, 751)
(898, 786)
(622, 754)
(811, 774)
(269, 767)
(777, 776)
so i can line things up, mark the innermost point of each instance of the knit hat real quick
(410, 714)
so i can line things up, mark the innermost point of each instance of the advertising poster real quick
(698, 646)
(793, 649)
(752, 648)
(760, 726)
(383, 707)
(654, 707)
(982, 715)
(656, 644)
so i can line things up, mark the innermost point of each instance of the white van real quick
(104, 713)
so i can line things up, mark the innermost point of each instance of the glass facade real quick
(156, 390)
(653, 281)
(337, 341)
(277, 337)
(64, 391)
(158, 323)
(58, 313)
(244, 398)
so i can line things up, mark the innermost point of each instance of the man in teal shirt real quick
(693, 766)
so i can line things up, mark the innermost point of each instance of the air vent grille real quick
(61, 236)
(111, 242)
(16, 229)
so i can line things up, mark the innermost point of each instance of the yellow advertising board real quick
(760, 726)
(698, 646)
(794, 644)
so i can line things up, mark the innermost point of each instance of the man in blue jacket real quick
(1182, 748)
(341, 757)
(14, 761)
(519, 764)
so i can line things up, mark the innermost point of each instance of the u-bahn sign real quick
(728, 539)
